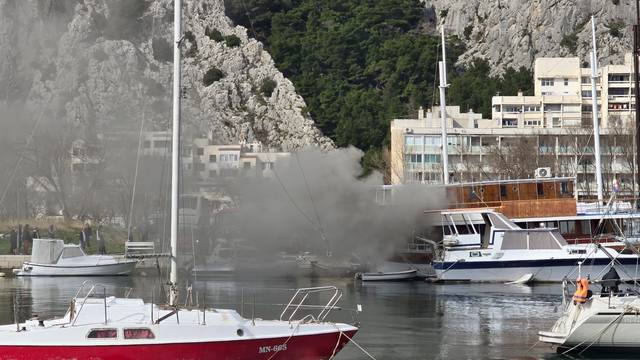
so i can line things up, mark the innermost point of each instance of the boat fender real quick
(582, 291)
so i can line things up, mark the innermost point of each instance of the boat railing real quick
(299, 302)
(74, 317)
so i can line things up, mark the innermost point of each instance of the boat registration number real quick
(274, 348)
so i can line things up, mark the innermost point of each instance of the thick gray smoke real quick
(317, 202)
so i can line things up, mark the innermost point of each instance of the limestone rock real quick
(101, 65)
(515, 32)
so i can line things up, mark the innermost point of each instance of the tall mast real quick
(636, 80)
(175, 148)
(594, 109)
(442, 68)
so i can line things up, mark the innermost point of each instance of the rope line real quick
(135, 175)
(313, 204)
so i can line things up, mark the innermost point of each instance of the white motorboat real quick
(608, 320)
(495, 249)
(389, 275)
(52, 257)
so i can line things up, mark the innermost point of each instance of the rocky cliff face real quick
(101, 65)
(515, 32)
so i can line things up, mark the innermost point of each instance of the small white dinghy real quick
(389, 276)
(52, 257)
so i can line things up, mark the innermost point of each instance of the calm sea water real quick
(413, 320)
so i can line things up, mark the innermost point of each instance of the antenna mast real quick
(442, 67)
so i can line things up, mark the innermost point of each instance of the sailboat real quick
(591, 321)
(121, 328)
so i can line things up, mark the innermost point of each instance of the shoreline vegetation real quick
(360, 64)
(69, 231)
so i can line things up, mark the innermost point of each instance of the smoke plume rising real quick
(317, 193)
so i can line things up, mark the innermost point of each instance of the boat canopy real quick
(46, 251)
(533, 239)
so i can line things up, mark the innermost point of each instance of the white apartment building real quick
(555, 124)
(562, 96)
(207, 161)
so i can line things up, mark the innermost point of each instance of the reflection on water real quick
(413, 320)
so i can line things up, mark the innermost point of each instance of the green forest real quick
(361, 63)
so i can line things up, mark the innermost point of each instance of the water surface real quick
(410, 320)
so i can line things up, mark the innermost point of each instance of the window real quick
(513, 109)
(224, 157)
(552, 107)
(503, 191)
(103, 334)
(532, 108)
(432, 158)
(618, 77)
(532, 122)
(567, 227)
(71, 252)
(564, 188)
(555, 122)
(408, 140)
(164, 144)
(587, 93)
(415, 158)
(546, 82)
(246, 165)
(212, 158)
(540, 187)
(434, 141)
(618, 91)
(586, 80)
(200, 151)
(509, 123)
(140, 333)
(566, 82)
(198, 166)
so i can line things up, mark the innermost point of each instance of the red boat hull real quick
(308, 347)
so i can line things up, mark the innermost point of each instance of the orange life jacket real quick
(582, 289)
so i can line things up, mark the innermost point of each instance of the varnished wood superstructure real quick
(517, 198)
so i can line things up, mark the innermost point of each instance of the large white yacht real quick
(483, 245)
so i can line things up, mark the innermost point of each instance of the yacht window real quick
(475, 254)
(103, 334)
(577, 251)
(138, 333)
(567, 227)
(71, 252)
